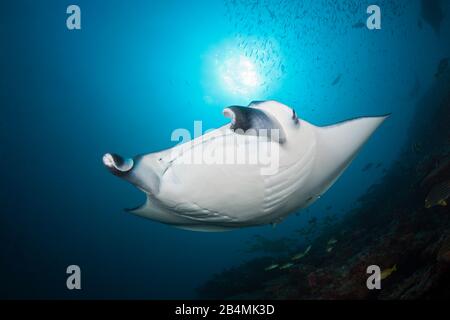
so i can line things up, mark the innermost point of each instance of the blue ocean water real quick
(138, 70)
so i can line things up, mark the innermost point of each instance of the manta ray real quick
(221, 195)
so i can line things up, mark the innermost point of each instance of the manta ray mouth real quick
(117, 164)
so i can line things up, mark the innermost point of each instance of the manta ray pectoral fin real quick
(338, 144)
(345, 138)
(151, 209)
(245, 120)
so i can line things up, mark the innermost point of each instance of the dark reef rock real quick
(443, 254)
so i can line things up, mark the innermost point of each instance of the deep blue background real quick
(140, 69)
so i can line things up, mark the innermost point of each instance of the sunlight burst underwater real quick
(242, 69)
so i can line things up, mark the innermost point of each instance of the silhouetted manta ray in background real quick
(219, 197)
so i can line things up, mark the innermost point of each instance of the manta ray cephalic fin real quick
(247, 120)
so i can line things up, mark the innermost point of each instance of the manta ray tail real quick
(338, 144)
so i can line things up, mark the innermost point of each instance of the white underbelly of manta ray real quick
(264, 165)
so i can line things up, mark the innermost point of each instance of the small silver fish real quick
(286, 266)
(332, 241)
(271, 267)
(301, 255)
(438, 195)
(307, 250)
(298, 256)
